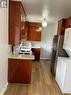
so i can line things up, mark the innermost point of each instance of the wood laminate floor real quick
(42, 82)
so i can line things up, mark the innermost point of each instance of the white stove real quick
(25, 47)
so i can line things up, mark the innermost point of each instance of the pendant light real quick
(44, 23)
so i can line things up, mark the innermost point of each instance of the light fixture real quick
(44, 23)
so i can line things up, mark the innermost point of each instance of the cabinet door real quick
(23, 24)
(68, 22)
(12, 69)
(25, 67)
(24, 30)
(19, 71)
(61, 27)
(14, 22)
(34, 35)
(36, 52)
(34, 32)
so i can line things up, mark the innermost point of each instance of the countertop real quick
(64, 60)
(35, 47)
(21, 56)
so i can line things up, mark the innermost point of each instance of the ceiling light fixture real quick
(44, 23)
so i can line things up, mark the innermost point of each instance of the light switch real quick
(3, 3)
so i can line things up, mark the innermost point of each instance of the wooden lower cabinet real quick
(19, 71)
(36, 52)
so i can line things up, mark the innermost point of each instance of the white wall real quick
(47, 39)
(3, 47)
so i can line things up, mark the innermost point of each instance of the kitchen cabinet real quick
(16, 16)
(24, 30)
(36, 52)
(19, 70)
(68, 22)
(61, 27)
(34, 31)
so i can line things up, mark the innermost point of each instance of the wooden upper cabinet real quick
(24, 30)
(24, 27)
(34, 31)
(68, 23)
(16, 16)
(61, 27)
(23, 14)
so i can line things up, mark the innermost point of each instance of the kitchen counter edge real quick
(21, 56)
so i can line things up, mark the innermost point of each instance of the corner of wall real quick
(4, 89)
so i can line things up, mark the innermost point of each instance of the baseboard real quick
(44, 58)
(5, 88)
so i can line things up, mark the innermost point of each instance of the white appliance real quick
(63, 74)
(67, 41)
(25, 47)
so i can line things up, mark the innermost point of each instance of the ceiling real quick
(52, 10)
